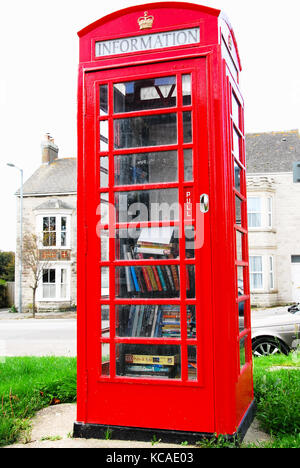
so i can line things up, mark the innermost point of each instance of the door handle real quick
(204, 203)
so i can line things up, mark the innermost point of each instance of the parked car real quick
(275, 331)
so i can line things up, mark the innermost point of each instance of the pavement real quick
(52, 427)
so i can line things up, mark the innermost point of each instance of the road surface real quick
(38, 337)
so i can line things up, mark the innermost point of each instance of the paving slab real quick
(52, 427)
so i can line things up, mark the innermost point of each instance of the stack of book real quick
(151, 365)
(155, 241)
(170, 321)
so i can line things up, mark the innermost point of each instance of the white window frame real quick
(256, 272)
(271, 273)
(58, 267)
(265, 212)
(58, 216)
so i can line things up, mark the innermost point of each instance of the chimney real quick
(49, 150)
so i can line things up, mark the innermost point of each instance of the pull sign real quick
(188, 204)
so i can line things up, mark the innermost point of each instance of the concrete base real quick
(99, 431)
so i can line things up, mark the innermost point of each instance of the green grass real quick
(277, 394)
(28, 384)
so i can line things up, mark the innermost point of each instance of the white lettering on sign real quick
(147, 42)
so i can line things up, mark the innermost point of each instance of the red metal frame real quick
(223, 392)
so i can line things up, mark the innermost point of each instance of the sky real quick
(38, 77)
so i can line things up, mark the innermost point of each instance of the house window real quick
(55, 283)
(55, 231)
(260, 212)
(49, 283)
(254, 212)
(256, 272)
(49, 231)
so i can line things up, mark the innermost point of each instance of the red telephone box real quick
(164, 337)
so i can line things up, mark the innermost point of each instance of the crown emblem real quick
(145, 22)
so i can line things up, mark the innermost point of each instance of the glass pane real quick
(256, 280)
(187, 127)
(147, 205)
(236, 145)
(151, 93)
(255, 264)
(104, 282)
(148, 361)
(52, 276)
(63, 276)
(189, 241)
(148, 321)
(192, 363)
(105, 320)
(242, 352)
(191, 321)
(147, 243)
(148, 130)
(46, 224)
(237, 177)
(52, 289)
(52, 239)
(103, 100)
(63, 239)
(235, 111)
(104, 208)
(104, 239)
(240, 274)
(190, 281)
(105, 356)
(147, 281)
(104, 172)
(241, 307)
(186, 90)
(63, 223)
(254, 220)
(239, 246)
(103, 135)
(238, 211)
(146, 168)
(52, 226)
(63, 290)
(45, 276)
(254, 204)
(188, 164)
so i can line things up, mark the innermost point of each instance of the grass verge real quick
(28, 384)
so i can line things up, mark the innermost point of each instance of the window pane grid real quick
(183, 103)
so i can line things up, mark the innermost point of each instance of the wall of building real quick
(281, 241)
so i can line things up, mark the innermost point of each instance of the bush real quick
(3, 293)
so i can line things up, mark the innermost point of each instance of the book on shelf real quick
(152, 359)
(155, 241)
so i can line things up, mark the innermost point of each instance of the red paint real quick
(218, 399)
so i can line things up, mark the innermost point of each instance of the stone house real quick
(273, 217)
(49, 212)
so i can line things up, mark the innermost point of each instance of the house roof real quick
(272, 152)
(56, 178)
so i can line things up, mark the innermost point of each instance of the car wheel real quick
(268, 346)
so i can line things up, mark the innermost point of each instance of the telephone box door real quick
(149, 321)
